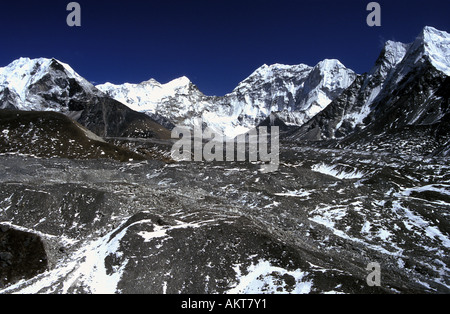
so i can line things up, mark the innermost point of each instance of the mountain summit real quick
(42, 84)
(146, 96)
(436, 45)
(405, 91)
(297, 92)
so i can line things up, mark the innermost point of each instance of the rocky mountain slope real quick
(53, 135)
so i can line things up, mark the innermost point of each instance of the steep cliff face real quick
(349, 110)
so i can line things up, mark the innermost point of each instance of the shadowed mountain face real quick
(53, 135)
(22, 255)
(109, 118)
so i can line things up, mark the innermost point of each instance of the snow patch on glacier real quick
(337, 173)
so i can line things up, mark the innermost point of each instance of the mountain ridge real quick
(401, 89)
(269, 88)
(300, 95)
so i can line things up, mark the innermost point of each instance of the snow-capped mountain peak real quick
(391, 55)
(432, 46)
(31, 84)
(334, 74)
(180, 83)
(23, 72)
(267, 71)
(146, 96)
(270, 73)
(325, 82)
(151, 81)
(437, 48)
(329, 64)
(407, 86)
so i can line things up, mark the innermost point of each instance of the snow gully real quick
(255, 142)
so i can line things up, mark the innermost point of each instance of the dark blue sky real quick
(216, 43)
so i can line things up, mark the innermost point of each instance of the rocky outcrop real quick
(22, 255)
